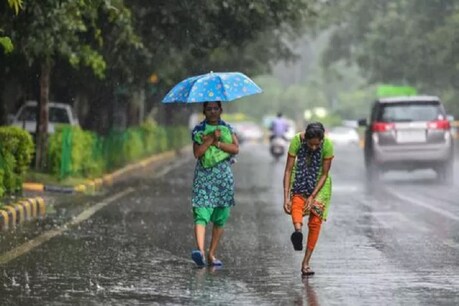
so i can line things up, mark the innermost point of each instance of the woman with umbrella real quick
(213, 185)
(307, 186)
(214, 143)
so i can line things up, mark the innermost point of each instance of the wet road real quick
(393, 244)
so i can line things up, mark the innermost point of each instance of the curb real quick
(23, 210)
(96, 184)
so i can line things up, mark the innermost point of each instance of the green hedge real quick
(154, 137)
(16, 152)
(74, 152)
(177, 136)
(71, 152)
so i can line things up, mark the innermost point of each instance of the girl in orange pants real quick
(307, 186)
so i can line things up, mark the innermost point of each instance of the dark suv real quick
(408, 133)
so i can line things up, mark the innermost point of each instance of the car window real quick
(28, 113)
(407, 112)
(56, 115)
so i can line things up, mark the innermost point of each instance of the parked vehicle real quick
(59, 113)
(408, 133)
(343, 136)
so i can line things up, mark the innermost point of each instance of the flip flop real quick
(307, 271)
(297, 241)
(197, 257)
(215, 263)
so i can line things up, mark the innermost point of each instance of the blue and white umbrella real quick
(213, 86)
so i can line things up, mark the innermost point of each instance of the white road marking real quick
(383, 217)
(345, 188)
(425, 205)
(87, 213)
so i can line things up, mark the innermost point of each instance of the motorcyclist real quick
(279, 127)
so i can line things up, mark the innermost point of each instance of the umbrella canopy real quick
(213, 86)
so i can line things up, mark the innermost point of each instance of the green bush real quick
(68, 153)
(160, 136)
(177, 137)
(122, 147)
(16, 150)
(55, 151)
(154, 138)
(74, 152)
(111, 146)
(2, 187)
(85, 160)
(133, 146)
(147, 130)
(96, 164)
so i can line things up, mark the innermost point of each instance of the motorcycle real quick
(277, 147)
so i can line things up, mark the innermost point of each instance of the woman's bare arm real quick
(286, 182)
(231, 148)
(211, 139)
(200, 149)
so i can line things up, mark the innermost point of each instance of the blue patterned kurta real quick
(214, 186)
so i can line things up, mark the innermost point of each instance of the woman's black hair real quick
(314, 130)
(204, 105)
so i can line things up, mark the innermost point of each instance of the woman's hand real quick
(217, 134)
(216, 137)
(200, 149)
(212, 137)
(206, 138)
(288, 207)
(308, 205)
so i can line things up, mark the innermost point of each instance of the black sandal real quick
(307, 271)
(297, 241)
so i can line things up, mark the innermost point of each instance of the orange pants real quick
(314, 224)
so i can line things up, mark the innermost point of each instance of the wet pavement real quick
(396, 243)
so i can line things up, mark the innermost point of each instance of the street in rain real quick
(282, 152)
(385, 244)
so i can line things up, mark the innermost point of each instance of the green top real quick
(322, 201)
(214, 155)
(295, 144)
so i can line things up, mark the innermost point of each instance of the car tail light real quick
(382, 126)
(439, 125)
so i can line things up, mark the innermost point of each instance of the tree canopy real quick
(400, 42)
(104, 52)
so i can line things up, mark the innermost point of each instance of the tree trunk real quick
(42, 117)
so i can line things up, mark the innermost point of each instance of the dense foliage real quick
(78, 153)
(124, 42)
(16, 150)
(399, 42)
